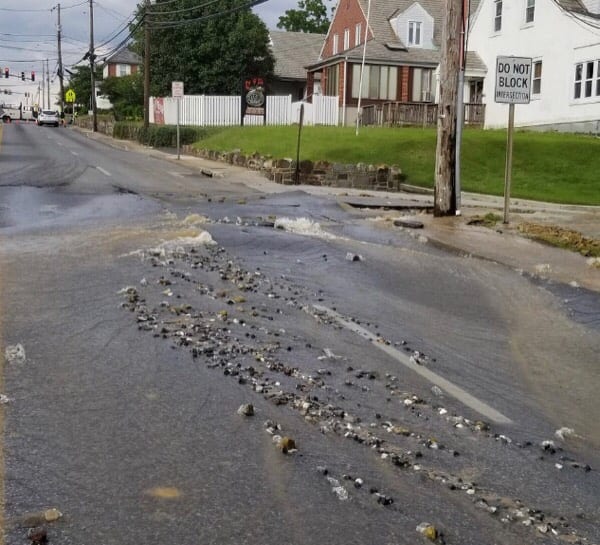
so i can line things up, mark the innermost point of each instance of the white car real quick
(48, 117)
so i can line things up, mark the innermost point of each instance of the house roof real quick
(293, 51)
(386, 47)
(124, 56)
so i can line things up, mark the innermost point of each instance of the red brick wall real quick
(347, 15)
(404, 83)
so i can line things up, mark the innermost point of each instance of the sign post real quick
(177, 93)
(513, 86)
(70, 98)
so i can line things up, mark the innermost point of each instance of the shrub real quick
(158, 136)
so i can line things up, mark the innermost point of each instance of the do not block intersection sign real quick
(513, 80)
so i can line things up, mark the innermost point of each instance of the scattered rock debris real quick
(244, 342)
(246, 410)
(428, 530)
(15, 354)
(38, 534)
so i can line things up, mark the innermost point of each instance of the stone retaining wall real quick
(283, 171)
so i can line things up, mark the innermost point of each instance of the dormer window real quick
(414, 33)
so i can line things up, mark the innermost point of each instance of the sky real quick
(28, 36)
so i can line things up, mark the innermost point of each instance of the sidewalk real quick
(502, 243)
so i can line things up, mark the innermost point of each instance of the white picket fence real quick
(212, 111)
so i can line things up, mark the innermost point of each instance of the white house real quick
(563, 39)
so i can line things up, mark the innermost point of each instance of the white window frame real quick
(536, 79)
(497, 15)
(414, 34)
(336, 44)
(380, 82)
(346, 39)
(529, 11)
(357, 34)
(587, 81)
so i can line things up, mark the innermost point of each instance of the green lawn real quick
(546, 166)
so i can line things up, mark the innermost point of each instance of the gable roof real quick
(386, 46)
(124, 56)
(293, 51)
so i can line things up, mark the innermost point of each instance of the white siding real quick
(415, 13)
(554, 38)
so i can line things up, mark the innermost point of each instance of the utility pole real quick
(445, 156)
(146, 64)
(48, 83)
(60, 68)
(43, 97)
(92, 70)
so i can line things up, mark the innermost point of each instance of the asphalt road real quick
(151, 302)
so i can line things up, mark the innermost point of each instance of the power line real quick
(16, 10)
(186, 22)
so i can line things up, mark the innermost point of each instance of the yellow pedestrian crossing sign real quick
(70, 95)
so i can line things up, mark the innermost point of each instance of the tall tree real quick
(311, 16)
(210, 47)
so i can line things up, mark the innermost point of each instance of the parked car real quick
(48, 117)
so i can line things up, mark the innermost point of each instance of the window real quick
(498, 16)
(332, 75)
(530, 11)
(336, 44)
(587, 79)
(123, 70)
(536, 84)
(414, 33)
(379, 82)
(346, 39)
(357, 34)
(421, 85)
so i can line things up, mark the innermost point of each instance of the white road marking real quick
(105, 172)
(452, 389)
(61, 143)
(75, 153)
(176, 174)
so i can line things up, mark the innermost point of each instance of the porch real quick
(417, 113)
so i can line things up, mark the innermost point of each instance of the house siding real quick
(555, 39)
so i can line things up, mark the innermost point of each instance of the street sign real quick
(513, 80)
(70, 95)
(177, 89)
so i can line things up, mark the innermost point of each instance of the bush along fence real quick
(284, 171)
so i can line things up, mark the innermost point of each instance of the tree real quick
(210, 47)
(126, 94)
(310, 17)
(80, 82)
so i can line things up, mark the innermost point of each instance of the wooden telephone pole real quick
(146, 64)
(445, 156)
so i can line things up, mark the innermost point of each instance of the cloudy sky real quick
(28, 34)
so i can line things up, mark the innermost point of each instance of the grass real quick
(562, 238)
(551, 167)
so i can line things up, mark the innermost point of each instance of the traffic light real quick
(32, 76)
(22, 76)
(6, 72)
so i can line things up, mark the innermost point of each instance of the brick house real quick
(402, 56)
(122, 63)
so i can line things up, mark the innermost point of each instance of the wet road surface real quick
(150, 306)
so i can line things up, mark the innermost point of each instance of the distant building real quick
(293, 51)
(122, 63)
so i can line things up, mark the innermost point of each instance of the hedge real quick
(158, 136)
